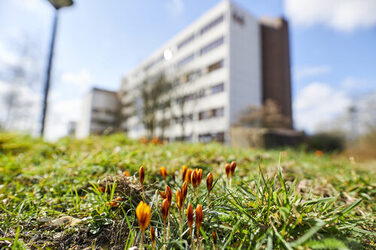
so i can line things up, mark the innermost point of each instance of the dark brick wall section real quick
(276, 65)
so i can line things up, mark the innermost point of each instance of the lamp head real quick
(58, 4)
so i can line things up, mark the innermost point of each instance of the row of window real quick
(207, 48)
(103, 111)
(218, 42)
(203, 30)
(154, 62)
(186, 60)
(189, 39)
(211, 113)
(195, 74)
(192, 75)
(204, 138)
(208, 137)
(203, 115)
(202, 93)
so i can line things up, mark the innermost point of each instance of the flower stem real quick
(164, 234)
(208, 198)
(142, 241)
(180, 224)
(168, 226)
(198, 238)
(192, 240)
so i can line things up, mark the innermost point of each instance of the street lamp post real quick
(57, 4)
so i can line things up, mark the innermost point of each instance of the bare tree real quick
(267, 116)
(181, 99)
(20, 74)
(156, 99)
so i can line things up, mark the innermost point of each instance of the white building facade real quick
(217, 61)
(100, 113)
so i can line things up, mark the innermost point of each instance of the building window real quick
(212, 24)
(217, 88)
(215, 66)
(154, 62)
(208, 137)
(186, 60)
(219, 112)
(186, 41)
(212, 113)
(238, 18)
(212, 46)
(220, 137)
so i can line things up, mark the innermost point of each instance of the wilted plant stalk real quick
(152, 236)
(142, 177)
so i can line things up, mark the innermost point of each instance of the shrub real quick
(326, 142)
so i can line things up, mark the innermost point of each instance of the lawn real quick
(74, 194)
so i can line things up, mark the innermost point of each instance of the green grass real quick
(278, 199)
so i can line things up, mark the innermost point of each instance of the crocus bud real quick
(168, 193)
(199, 216)
(184, 190)
(188, 175)
(163, 194)
(142, 175)
(143, 213)
(163, 172)
(184, 171)
(152, 234)
(199, 176)
(194, 179)
(179, 200)
(190, 215)
(214, 237)
(209, 181)
(165, 208)
(228, 170)
(233, 167)
(126, 173)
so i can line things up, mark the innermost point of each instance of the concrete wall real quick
(83, 127)
(245, 63)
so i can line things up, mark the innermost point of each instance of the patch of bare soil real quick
(66, 232)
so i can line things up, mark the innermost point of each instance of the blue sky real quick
(332, 47)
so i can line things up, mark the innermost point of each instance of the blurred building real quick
(100, 113)
(222, 64)
(72, 127)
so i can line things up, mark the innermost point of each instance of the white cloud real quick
(25, 110)
(59, 115)
(343, 15)
(6, 56)
(37, 6)
(310, 71)
(176, 7)
(82, 79)
(353, 85)
(317, 103)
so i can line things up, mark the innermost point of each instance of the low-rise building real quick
(100, 113)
